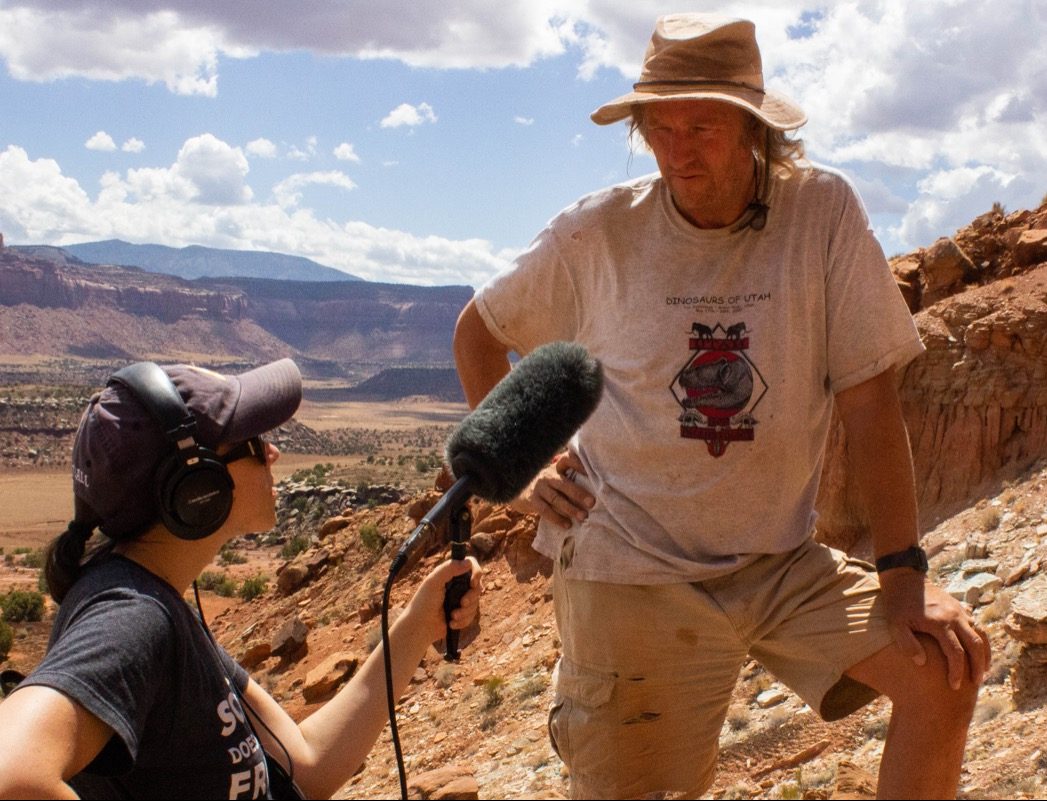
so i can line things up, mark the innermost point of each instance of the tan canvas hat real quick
(705, 56)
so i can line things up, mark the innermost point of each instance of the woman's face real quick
(254, 496)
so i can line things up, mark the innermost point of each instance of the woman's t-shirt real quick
(129, 650)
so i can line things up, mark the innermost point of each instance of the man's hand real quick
(554, 496)
(912, 604)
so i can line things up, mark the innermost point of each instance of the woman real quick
(134, 698)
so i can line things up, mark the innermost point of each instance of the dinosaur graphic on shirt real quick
(715, 388)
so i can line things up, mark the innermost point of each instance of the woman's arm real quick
(329, 745)
(46, 738)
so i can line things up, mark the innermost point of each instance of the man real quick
(732, 298)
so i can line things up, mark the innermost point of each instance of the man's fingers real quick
(547, 511)
(979, 652)
(955, 655)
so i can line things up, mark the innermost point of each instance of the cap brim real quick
(774, 109)
(269, 397)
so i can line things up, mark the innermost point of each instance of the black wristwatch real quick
(914, 557)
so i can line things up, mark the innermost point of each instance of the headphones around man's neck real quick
(192, 485)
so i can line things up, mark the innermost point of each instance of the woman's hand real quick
(554, 496)
(428, 601)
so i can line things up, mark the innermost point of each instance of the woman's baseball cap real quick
(120, 444)
(704, 57)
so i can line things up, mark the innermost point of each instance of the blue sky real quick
(427, 142)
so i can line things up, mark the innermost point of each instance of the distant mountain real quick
(53, 305)
(200, 262)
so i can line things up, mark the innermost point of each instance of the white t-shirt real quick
(721, 352)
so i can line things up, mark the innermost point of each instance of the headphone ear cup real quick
(194, 493)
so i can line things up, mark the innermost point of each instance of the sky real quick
(428, 141)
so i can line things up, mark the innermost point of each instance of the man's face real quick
(704, 154)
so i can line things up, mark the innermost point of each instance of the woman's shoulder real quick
(118, 587)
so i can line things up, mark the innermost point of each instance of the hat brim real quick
(269, 397)
(774, 109)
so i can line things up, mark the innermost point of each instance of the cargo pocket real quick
(580, 719)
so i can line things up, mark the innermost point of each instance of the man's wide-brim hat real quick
(705, 57)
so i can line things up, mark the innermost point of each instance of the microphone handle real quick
(454, 590)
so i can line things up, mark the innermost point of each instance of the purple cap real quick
(119, 444)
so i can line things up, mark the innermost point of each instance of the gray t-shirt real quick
(721, 353)
(129, 650)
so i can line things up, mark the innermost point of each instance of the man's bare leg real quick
(923, 754)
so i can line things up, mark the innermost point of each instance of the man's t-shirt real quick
(128, 649)
(721, 352)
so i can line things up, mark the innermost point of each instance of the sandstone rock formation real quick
(976, 402)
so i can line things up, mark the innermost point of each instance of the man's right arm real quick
(482, 361)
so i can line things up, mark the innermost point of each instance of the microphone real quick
(524, 421)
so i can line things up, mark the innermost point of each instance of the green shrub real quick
(492, 693)
(228, 555)
(34, 559)
(7, 637)
(22, 605)
(295, 545)
(371, 537)
(253, 587)
(218, 583)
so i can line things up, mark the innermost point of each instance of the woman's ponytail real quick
(64, 556)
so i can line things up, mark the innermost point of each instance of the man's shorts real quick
(647, 672)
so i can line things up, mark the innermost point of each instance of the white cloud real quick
(406, 114)
(38, 204)
(305, 153)
(104, 42)
(523, 120)
(346, 152)
(288, 192)
(133, 145)
(261, 148)
(101, 141)
(214, 170)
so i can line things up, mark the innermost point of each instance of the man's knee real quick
(920, 689)
(925, 689)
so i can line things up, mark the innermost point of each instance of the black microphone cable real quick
(285, 776)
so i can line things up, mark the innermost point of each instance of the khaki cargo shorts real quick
(647, 672)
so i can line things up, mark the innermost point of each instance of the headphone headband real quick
(154, 388)
(193, 488)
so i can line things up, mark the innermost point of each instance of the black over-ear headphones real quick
(193, 488)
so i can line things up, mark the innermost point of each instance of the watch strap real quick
(914, 557)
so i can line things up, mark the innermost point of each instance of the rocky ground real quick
(481, 723)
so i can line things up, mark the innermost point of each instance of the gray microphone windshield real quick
(525, 420)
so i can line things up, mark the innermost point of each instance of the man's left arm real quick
(881, 460)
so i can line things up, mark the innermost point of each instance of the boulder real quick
(1031, 247)
(255, 653)
(974, 589)
(944, 266)
(292, 576)
(443, 784)
(333, 524)
(290, 639)
(328, 676)
(1027, 621)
